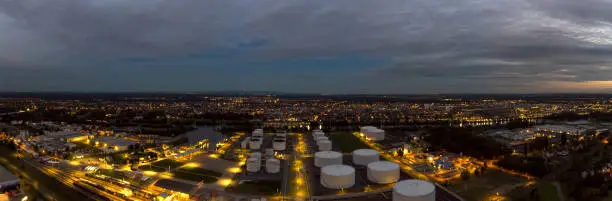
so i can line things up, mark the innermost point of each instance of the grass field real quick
(347, 142)
(481, 188)
(162, 166)
(195, 177)
(197, 174)
(257, 187)
(547, 192)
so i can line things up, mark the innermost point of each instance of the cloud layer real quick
(345, 46)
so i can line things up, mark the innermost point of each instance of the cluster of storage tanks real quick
(335, 175)
(373, 133)
(323, 143)
(254, 161)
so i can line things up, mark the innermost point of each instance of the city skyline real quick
(340, 47)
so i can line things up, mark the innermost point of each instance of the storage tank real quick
(376, 135)
(255, 144)
(258, 133)
(256, 155)
(321, 138)
(279, 145)
(365, 156)
(269, 152)
(367, 128)
(337, 176)
(273, 165)
(281, 135)
(325, 158)
(383, 172)
(253, 165)
(324, 145)
(414, 190)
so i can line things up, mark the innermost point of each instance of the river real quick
(205, 132)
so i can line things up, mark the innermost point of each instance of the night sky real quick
(307, 46)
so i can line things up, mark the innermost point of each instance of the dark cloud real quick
(428, 46)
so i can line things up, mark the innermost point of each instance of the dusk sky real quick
(307, 46)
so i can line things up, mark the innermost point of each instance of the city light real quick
(192, 165)
(234, 170)
(149, 173)
(126, 192)
(225, 182)
(166, 175)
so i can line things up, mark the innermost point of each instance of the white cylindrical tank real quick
(365, 156)
(279, 145)
(269, 152)
(253, 165)
(256, 155)
(377, 135)
(337, 176)
(273, 165)
(367, 128)
(324, 145)
(321, 138)
(383, 172)
(255, 144)
(281, 134)
(414, 190)
(325, 158)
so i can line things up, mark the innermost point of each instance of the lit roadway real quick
(301, 190)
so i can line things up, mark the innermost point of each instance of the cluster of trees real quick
(566, 116)
(518, 123)
(602, 116)
(573, 116)
(461, 140)
(535, 166)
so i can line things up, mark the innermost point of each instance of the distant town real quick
(121, 146)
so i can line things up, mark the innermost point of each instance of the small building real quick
(176, 188)
(112, 144)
